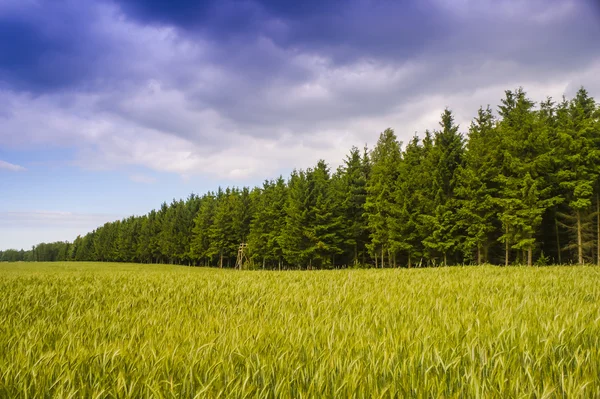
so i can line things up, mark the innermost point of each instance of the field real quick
(124, 330)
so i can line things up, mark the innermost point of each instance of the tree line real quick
(522, 187)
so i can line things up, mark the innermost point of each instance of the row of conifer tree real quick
(522, 187)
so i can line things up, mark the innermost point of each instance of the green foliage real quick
(294, 236)
(477, 190)
(203, 221)
(267, 225)
(447, 158)
(405, 221)
(349, 194)
(525, 193)
(380, 202)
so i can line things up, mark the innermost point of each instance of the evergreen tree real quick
(351, 194)
(224, 241)
(447, 157)
(200, 241)
(324, 227)
(525, 194)
(268, 222)
(578, 173)
(294, 237)
(476, 187)
(385, 163)
(425, 195)
(405, 221)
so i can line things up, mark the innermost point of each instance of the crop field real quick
(124, 330)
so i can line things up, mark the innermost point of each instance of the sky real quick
(110, 107)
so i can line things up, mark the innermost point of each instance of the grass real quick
(121, 330)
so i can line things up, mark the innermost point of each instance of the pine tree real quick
(224, 233)
(349, 186)
(277, 221)
(526, 161)
(258, 238)
(324, 227)
(578, 173)
(127, 240)
(425, 194)
(404, 222)
(447, 157)
(476, 189)
(294, 238)
(552, 230)
(385, 162)
(268, 221)
(204, 220)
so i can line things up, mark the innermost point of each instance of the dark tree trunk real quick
(506, 249)
(557, 232)
(579, 240)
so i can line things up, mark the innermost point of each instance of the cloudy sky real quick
(110, 107)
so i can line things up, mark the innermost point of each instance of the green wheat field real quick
(107, 330)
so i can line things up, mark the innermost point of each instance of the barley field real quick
(98, 330)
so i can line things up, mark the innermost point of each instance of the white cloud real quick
(11, 167)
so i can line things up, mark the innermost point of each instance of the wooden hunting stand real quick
(242, 257)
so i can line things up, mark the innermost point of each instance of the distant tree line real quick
(45, 252)
(523, 187)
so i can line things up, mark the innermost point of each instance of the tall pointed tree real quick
(405, 221)
(476, 189)
(200, 241)
(352, 192)
(526, 161)
(447, 157)
(294, 236)
(385, 162)
(578, 173)
(325, 225)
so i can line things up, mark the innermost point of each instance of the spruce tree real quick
(200, 241)
(405, 220)
(385, 162)
(476, 187)
(294, 238)
(526, 163)
(447, 157)
(324, 228)
(578, 173)
(351, 192)
(267, 222)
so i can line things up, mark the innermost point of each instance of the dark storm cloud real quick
(46, 46)
(344, 29)
(212, 14)
(49, 45)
